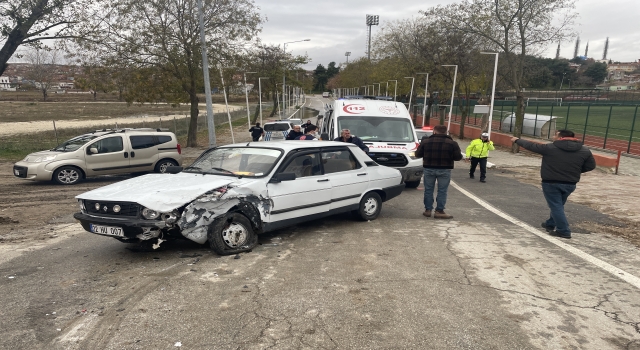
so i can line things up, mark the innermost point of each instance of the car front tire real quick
(232, 234)
(162, 165)
(67, 175)
(412, 184)
(370, 207)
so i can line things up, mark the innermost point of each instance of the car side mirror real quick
(324, 136)
(173, 169)
(92, 150)
(283, 177)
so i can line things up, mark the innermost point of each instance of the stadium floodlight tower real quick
(347, 54)
(372, 20)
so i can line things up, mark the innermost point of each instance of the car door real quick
(306, 197)
(144, 152)
(349, 179)
(112, 157)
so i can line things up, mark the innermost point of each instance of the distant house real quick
(5, 84)
(616, 86)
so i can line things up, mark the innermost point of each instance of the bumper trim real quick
(130, 227)
(393, 191)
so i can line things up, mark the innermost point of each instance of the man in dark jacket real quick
(256, 131)
(306, 125)
(345, 136)
(293, 134)
(438, 153)
(562, 163)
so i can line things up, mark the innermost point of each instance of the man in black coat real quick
(562, 163)
(293, 134)
(256, 131)
(346, 136)
(305, 125)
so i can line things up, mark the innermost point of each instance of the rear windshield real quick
(378, 129)
(277, 127)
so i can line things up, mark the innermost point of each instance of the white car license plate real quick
(107, 230)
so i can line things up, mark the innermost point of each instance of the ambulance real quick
(384, 126)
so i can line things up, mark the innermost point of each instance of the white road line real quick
(621, 274)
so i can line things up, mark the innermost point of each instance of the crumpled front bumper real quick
(411, 173)
(131, 228)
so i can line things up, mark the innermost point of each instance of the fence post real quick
(550, 120)
(633, 125)
(566, 120)
(55, 131)
(606, 132)
(513, 117)
(618, 161)
(175, 125)
(535, 121)
(501, 114)
(586, 122)
(160, 123)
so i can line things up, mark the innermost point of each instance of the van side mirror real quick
(92, 150)
(325, 136)
(277, 178)
(173, 169)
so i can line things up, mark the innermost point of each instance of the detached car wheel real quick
(67, 175)
(370, 207)
(162, 165)
(232, 234)
(412, 184)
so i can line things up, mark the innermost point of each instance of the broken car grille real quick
(389, 159)
(107, 208)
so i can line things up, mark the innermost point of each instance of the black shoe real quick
(555, 233)
(547, 228)
(471, 177)
(483, 180)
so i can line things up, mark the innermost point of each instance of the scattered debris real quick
(237, 256)
(195, 255)
(177, 344)
(157, 244)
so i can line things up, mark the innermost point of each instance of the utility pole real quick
(207, 85)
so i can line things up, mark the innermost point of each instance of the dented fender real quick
(203, 211)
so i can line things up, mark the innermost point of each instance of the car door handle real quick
(126, 154)
(133, 154)
(323, 180)
(362, 174)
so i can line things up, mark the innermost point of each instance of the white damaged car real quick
(232, 193)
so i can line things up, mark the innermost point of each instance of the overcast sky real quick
(335, 27)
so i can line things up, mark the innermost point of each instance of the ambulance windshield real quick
(378, 129)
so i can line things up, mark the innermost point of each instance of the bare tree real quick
(515, 28)
(164, 35)
(42, 69)
(29, 22)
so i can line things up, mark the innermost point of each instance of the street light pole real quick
(374, 88)
(493, 89)
(284, 72)
(424, 104)
(395, 91)
(226, 103)
(411, 93)
(246, 96)
(386, 92)
(453, 90)
(260, 94)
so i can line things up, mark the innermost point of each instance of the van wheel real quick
(162, 165)
(67, 175)
(370, 207)
(232, 234)
(412, 184)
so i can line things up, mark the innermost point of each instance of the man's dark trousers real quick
(483, 167)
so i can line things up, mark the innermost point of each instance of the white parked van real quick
(384, 126)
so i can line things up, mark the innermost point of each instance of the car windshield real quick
(236, 161)
(277, 127)
(378, 129)
(74, 143)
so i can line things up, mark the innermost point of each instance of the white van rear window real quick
(378, 129)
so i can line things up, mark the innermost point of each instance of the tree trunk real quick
(95, 95)
(255, 115)
(44, 95)
(192, 136)
(275, 105)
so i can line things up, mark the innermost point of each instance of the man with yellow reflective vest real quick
(477, 153)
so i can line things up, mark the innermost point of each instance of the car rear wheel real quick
(412, 184)
(67, 175)
(370, 206)
(232, 234)
(162, 165)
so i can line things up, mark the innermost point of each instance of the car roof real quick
(290, 145)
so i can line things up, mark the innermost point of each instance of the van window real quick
(378, 129)
(277, 127)
(142, 141)
(109, 145)
(163, 139)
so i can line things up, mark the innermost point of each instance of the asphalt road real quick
(483, 280)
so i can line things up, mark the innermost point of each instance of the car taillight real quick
(179, 149)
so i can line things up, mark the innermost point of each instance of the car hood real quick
(161, 192)
(41, 154)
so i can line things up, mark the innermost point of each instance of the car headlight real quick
(44, 159)
(81, 205)
(412, 155)
(150, 214)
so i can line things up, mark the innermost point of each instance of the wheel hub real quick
(235, 235)
(370, 206)
(68, 176)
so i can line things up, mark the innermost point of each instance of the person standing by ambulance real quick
(477, 153)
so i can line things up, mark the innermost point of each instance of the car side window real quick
(339, 160)
(163, 139)
(109, 145)
(142, 141)
(304, 165)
